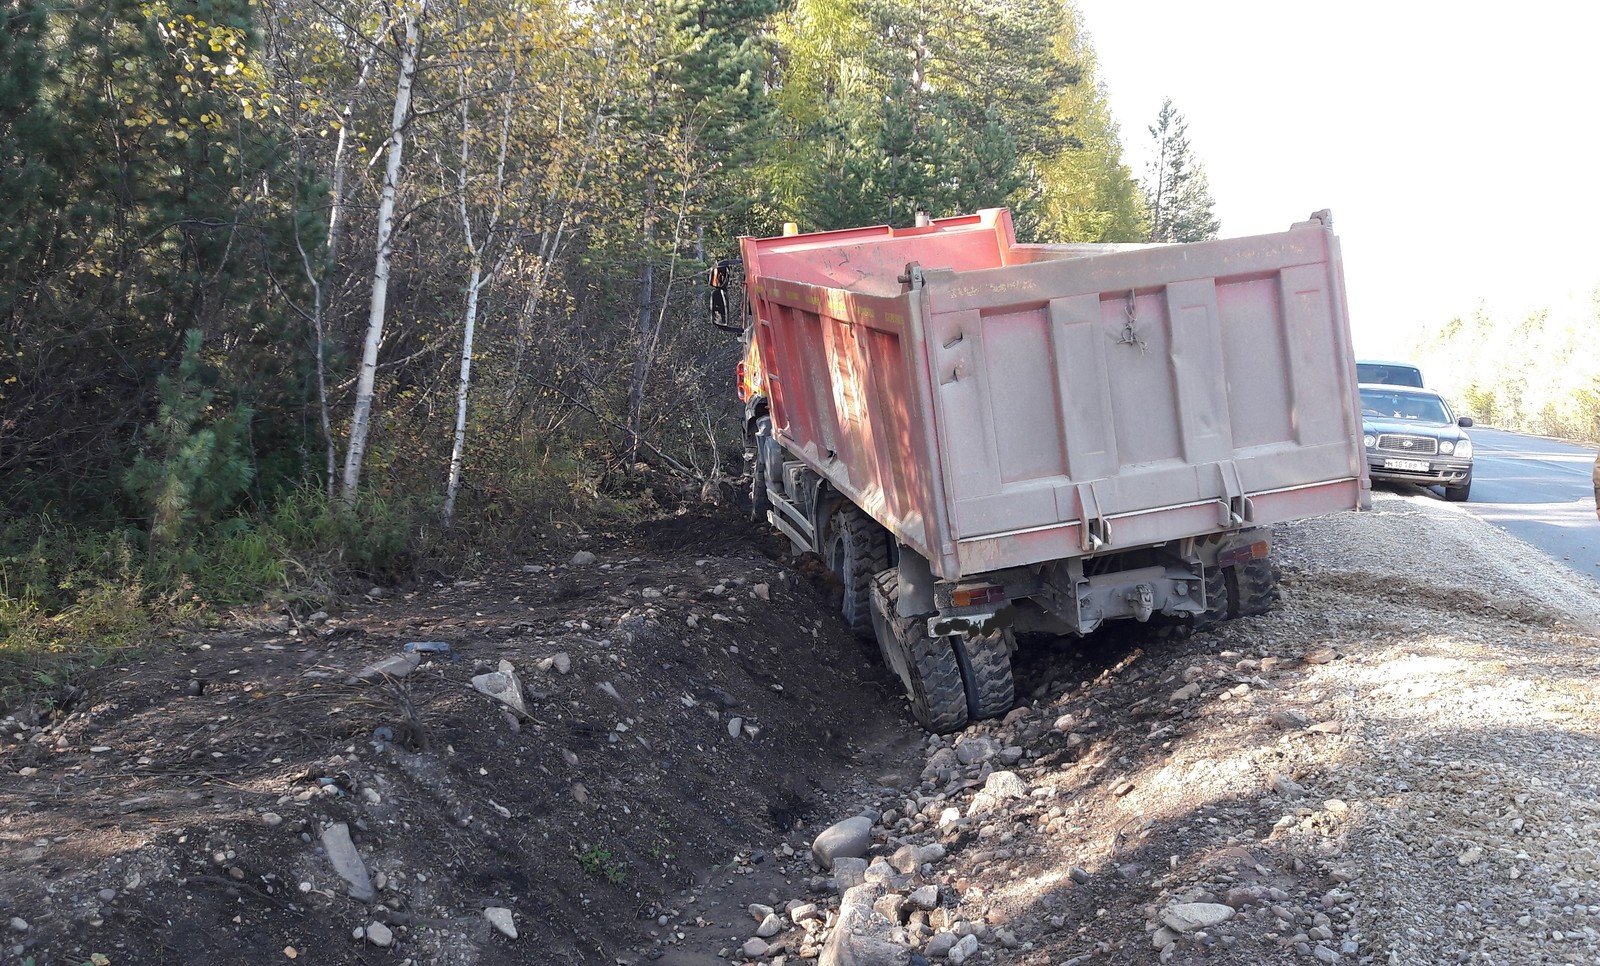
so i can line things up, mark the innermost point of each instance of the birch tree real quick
(361, 414)
(476, 241)
(310, 64)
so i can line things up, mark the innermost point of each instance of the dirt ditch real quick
(1395, 766)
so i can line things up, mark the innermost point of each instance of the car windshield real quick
(1404, 405)
(1388, 375)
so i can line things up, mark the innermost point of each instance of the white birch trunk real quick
(361, 416)
(459, 449)
(476, 282)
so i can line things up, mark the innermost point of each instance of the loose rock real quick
(850, 838)
(1189, 916)
(501, 919)
(347, 862)
(379, 935)
(503, 686)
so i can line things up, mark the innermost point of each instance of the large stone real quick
(501, 919)
(755, 948)
(907, 858)
(394, 666)
(347, 862)
(963, 950)
(971, 750)
(379, 934)
(849, 871)
(850, 838)
(940, 945)
(770, 926)
(503, 686)
(881, 872)
(1189, 916)
(862, 936)
(1286, 786)
(1006, 784)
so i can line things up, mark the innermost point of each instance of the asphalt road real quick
(1539, 490)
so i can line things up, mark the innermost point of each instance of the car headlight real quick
(1447, 447)
(1369, 441)
(1463, 448)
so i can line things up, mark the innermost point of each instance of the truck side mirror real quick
(717, 302)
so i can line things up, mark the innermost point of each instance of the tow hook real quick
(1143, 601)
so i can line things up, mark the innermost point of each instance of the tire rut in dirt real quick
(856, 549)
(936, 686)
(986, 674)
(1253, 588)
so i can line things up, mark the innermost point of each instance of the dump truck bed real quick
(995, 404)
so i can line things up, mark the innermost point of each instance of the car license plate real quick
(1415, 466)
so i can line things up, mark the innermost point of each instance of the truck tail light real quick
(1254, 551)
(975, 596)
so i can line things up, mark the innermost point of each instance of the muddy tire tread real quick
(865, 547)
(937, 688)
(1253, 587)
(986, 673)
(760, 501)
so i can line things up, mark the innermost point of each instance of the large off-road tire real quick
(1253, 587)
(760, 501)
(927, 666)
(986, 672)
(856, 549)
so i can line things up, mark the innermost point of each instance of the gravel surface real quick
(1397, 766)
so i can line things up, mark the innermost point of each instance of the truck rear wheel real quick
(928, 667)
(986, 672)
(1253, 587)
(855, 549)
(760, 500)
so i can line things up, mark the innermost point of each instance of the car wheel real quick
(1459, 494)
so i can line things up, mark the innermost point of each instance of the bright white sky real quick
(1456, 143)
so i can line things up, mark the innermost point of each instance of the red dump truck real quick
(981, 437)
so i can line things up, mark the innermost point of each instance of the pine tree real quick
(193, 463)
(1176, 189)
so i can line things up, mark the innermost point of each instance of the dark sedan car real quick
(1412, 436)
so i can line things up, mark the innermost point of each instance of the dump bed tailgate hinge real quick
(1096, 530)
(1234, 509)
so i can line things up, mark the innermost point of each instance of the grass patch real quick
(599, 863)
(73, 598)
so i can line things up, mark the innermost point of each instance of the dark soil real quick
(169, 810)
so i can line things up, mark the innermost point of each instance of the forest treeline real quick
(1537, 372)
(290, 287)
